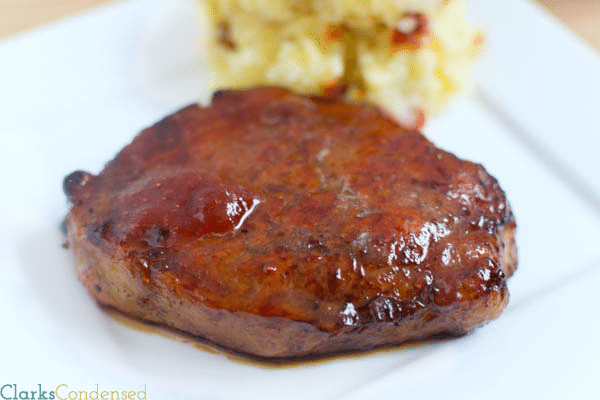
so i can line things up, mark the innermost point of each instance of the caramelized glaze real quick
(304, 210)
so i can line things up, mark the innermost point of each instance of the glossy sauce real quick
(310, 210)
(161, 208)
(248, 360)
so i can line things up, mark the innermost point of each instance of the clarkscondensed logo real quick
(12, 391)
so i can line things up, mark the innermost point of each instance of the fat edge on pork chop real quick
(280, 226)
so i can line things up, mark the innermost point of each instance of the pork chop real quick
(280, 226)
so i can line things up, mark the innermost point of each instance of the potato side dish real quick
(409, 57)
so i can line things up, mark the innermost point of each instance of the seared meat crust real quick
(281, 226)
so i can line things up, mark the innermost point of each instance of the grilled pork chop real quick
(280, 226)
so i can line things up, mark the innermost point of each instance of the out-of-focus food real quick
(408, 56)
(281, 226)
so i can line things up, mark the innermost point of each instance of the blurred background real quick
(581, 16)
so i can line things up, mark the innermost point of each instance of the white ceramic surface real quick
(73, 93)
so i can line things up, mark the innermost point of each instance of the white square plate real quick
(72, 94)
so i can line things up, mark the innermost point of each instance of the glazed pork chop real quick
(279, 226)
